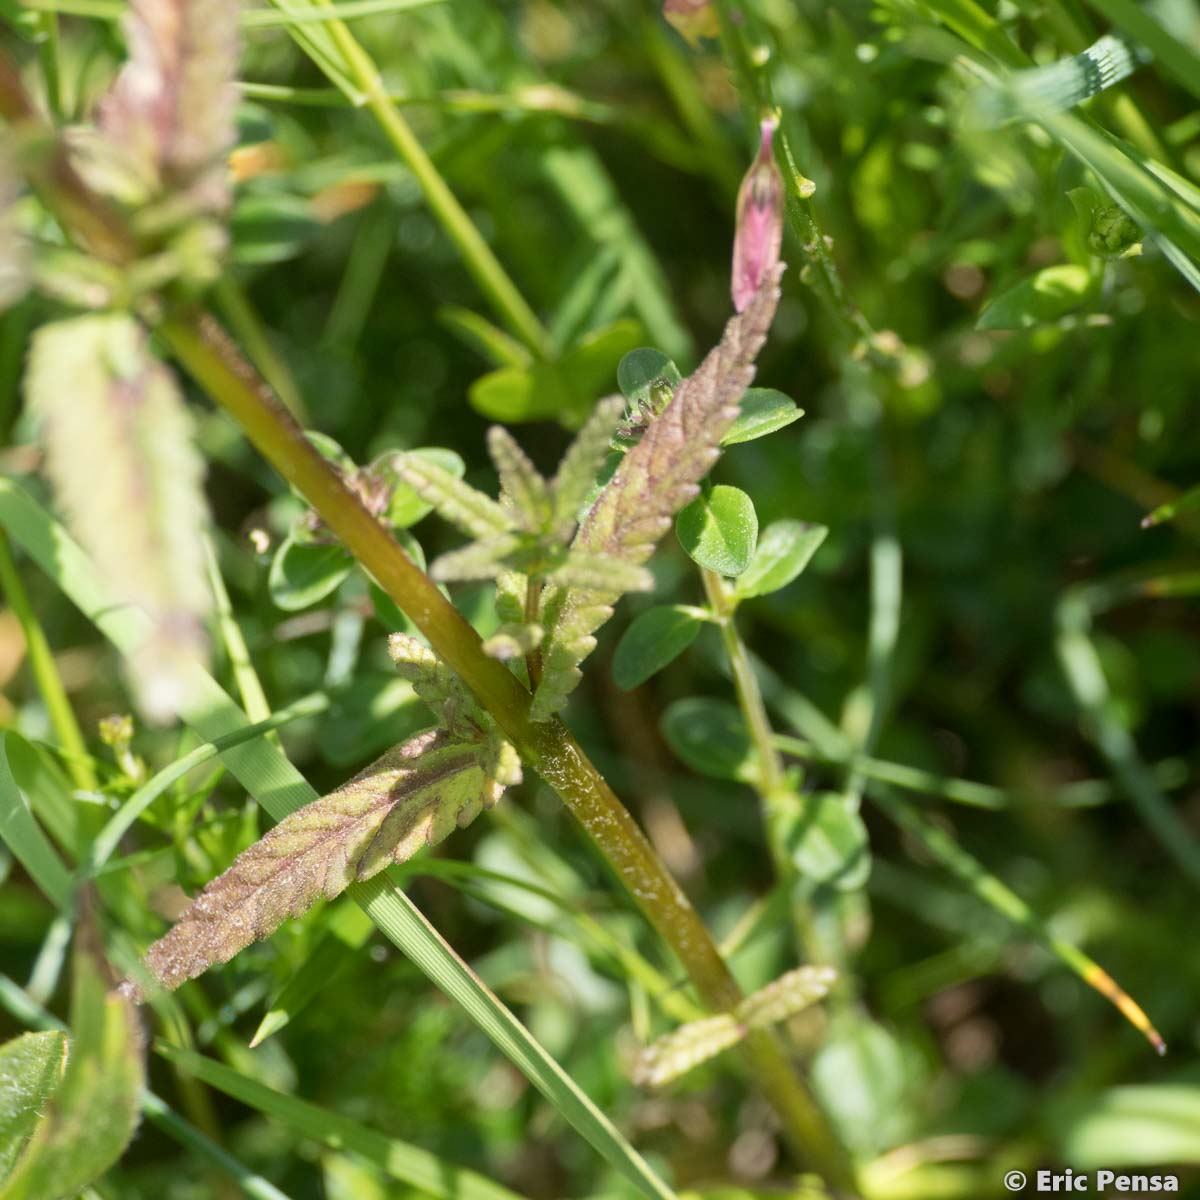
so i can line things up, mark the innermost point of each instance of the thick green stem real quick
(217, 365)
(45, 673)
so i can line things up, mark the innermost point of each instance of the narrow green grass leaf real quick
(1140, 24)
(1137, 1126)
(399, 1160)
(347, 929)
(998, 895)
(25, 838)
(268, 775)
(1188, 502)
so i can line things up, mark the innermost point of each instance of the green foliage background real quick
(1012, 468)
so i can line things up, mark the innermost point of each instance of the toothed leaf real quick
(171, 109)
(585, 456)
(653, 481)
(513, 641)
(414, 795)
(601, 573)
(786, 996)
(520, 483)
(438, 686)
(119, 453)
(685, 1048)
(511, 589)
(484, 559)
(475, 514)
(405, 507)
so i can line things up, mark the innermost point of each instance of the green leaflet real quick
(653, 482)
(654, 639)
(120, 456)
(94, 1112)
(415, 794)
(719, 530)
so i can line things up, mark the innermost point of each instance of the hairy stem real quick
(45, 673)
(218, 366)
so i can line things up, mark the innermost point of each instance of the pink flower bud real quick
(691, 19)
(759, 234)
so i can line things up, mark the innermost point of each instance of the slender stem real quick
(45, 673)
(215, 362)
(781, 805)
(477, 255)
(219, 367)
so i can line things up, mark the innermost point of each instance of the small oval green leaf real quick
(719, 530)
(301, 574)
(1044, 297)
(710, 736)
(641, 369)
(783, 552)
(654, 639)
(827, 842)
(764, 410)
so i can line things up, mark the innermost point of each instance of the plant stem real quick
(45, 673)
(218, 366)
(780, 803)
(477, 255)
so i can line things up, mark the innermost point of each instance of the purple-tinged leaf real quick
(654, 481)
(171, 108)
(414, 795)
(119, 453)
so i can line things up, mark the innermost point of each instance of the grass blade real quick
(1005, 901)
(400, 1160)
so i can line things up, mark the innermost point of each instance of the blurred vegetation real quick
(1008, 462)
